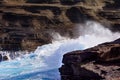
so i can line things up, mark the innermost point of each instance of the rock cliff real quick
(101, 62)
(26, 24)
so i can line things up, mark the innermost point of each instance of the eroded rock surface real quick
(101, 62)
(24, 25)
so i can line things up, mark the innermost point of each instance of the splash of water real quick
(43, 63)
(10, 55)
(93, 33)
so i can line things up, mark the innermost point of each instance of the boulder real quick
(96, 63)
(0, 57)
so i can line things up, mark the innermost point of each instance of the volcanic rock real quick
(101, 62)
(5, 58)
(24, 25)
(0, 57)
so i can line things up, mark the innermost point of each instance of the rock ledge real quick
(101, 62)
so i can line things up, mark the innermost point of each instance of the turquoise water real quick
(37, 75)
(43, 63)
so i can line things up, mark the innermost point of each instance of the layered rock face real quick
(101, 62)
(24, 25)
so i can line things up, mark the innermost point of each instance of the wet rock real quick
(0, 57)
(5, 58)
(79, 57)
(75, 72)
(101, 62)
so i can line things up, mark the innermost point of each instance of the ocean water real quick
(43, 63)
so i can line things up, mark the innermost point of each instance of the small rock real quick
(5, 58)
(0, 57)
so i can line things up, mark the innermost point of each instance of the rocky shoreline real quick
(24, 25)
(101, 62)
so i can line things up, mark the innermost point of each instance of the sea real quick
(45, 61)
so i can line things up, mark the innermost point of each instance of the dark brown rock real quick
(77, 73)
(102, 61)
(79, 57)
(5, 58)
(25, 25)
(0, 57)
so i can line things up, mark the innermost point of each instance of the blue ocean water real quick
(43, 63)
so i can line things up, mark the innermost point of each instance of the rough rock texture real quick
(24, 25)
(101, 62)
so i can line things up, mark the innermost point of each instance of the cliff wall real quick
(26, 24)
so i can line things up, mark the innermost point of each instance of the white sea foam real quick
(44, 62)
